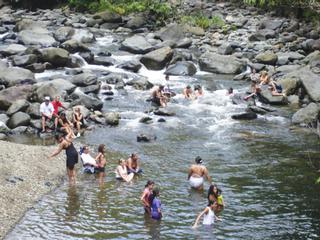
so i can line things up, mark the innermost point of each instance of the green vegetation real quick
(318, 181)
(203, 21)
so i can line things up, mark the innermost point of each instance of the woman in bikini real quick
(65, 143)
(65, 125)
(78, 120)
(101, 163)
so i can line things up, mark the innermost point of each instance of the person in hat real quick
(46, 111)
(197, 173)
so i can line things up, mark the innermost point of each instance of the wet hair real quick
(149, 182)
(188, 86)
(167, 77)
(230, 90)
(211, 191)
(100, 148)
(197, 87)
(155, 193)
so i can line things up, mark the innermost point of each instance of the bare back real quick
(198, 170)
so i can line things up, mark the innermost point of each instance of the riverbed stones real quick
(307, 115)
(19, 119)
(24, 60)
(56, 56)
(12, 76)
(182, 68)
(74, 45)
(9, 95)
(104, 61)
(267, 58)
(133, 65)
(90, 102)
(19, 105)
(109, 17)
(112, 118)
(84, 79)
(172, 32)
(141, 83)
(146, 120)
(34, 110)
(164, 112)
(289, 85)
(221, 64)
(271, 24)
(37, 36)
(157, 59)
(63, 34)
(13, 49)
(4, 128)
(136, 44)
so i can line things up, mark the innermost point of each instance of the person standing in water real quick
(101, 163)
(65, 143)
(197, 173)
(208, 215)
(156, 212)
(145, 197)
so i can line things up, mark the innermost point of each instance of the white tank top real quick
(208, 219)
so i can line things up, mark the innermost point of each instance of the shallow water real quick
(264, 169)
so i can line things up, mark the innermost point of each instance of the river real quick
(264, 169)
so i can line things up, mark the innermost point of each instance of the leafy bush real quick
(203, 21)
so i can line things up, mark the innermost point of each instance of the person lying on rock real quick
(46, 111)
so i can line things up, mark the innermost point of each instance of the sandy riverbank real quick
(26, 174)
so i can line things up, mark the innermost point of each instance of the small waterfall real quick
(80, 60)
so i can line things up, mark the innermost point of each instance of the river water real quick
(266, 171)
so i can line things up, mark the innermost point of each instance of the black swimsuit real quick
(72, 156)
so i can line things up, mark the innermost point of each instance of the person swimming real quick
(197, 173)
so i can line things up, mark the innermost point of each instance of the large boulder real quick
(136, 21)
(63, 34)
(56, 87)
(267, 58)
(157, 59)
(74, 45)
(84, 79)
(133, 65)
(56, 56)
(313, 59)
(140, 83)
(136, 44)
(13, 49)
(267, 97)
(9, 95)
(83, 36)
(108, 16)
(287, 57)
(19, 119)
(24, 60)
(216, 63)
(306, 115)
(289, 85)
(92, 103)
(85, 111)
(181, 68)
(112, 118)
(17, 106)
(12, 76)
(172, 32)
(34, 110)
(309, 80)
(271, 24)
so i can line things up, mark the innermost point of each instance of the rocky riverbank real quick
(26, 174)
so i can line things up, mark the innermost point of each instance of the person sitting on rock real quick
(56, 104)
(254, 76)
(46, 111)
(133, 164)
(264, 78)
(78, 120)
(255, 90)
(187, 92)
(65, 125)
(276, 89)
(157, 96)
(198, 92)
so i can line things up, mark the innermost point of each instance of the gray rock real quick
(19, 119)
(112, 78)
(73, 46)
(12, 94)
(112, 118)
(257, 110)
(181, 68)
(63, 34)
(136, 21)
(91, 89)
(294, 100)
(3, 128)
(136, 44)
(19, 130)
(141, 83)
(84, 79)
(56, 87)
(216, 63)
(271, 24)
(56, 56)
(4, 118)
(146, 120)
(313, 59)
(184, 43)
(34, 110)
(17, 106)
(267, 97)
(225, 49)
(133, 65)
(24, 60)
(306, 115)
(83, 36)
(12, 76)
(36, 67)
(2, 135)
(172, 32)
(287, 57)
(267, 58)
(245, 116)
(88, 101)
(30, 37)
(289, 85)
(13, 49)
(105, 61)
(107, 16)
(157, 59)
(145, 138)
(164, 112)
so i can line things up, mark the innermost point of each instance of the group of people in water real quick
(258, 80)
(50, 113)
(161, 94)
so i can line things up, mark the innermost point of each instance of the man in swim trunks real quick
(197, 173)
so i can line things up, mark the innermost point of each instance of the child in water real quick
(156, 212)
